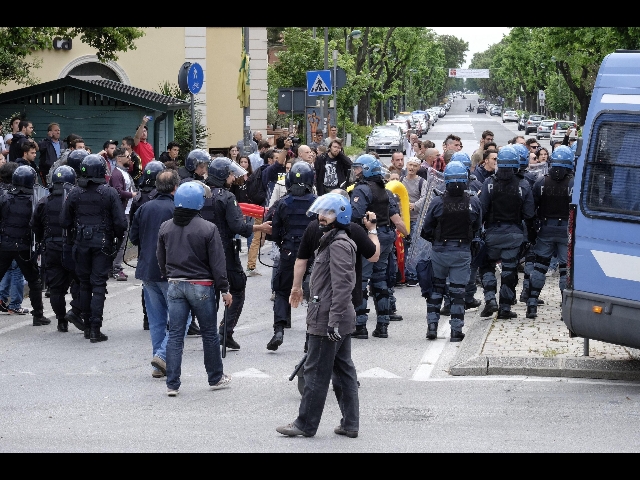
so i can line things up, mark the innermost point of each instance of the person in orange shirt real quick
(140, 145)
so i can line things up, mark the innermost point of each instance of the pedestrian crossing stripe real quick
(319, 86)
(251, 373)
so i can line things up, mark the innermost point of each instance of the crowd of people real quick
(337, 227)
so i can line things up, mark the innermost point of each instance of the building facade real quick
(157, 59)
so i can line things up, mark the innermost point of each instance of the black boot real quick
(63, 326)
(194, 330)
(507, 315)
(381, 331)
(361, 332)
(73, 318)
(96, 336)
(532, 311)
(490, 308)
(432, 332)
(276, 341)
(445, 311)
(472, 304)
(87, 330)
(40, 321)
(456, 336)
(394, 317)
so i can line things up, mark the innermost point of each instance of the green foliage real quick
(17, 44)
(183, 130)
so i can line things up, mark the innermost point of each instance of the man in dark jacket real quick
(171, 155)
(50, 150)
(332, 169)
(144, 234)
(191, 256)
(25, 129)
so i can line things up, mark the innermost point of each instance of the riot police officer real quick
(450, 224)
(370, 194)
(60, 274)
(195, 166)
(16, 237)
(147, 192)
(290, 220)
(506, 202)
(552, 195)
(94, 210)
(74, 160)
(529, 236)
(222, 209)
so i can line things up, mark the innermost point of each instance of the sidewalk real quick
(539, 347)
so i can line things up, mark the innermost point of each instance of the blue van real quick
(602, 299)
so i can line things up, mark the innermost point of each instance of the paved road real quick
(62, 394)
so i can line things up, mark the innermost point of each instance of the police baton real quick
(298, 367)
(224, 332)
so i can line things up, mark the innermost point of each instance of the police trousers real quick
(93, 267)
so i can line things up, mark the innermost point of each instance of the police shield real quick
(539, 170)
(420, 248)
(39, 192)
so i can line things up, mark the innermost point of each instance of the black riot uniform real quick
(290, 220)
(147, 192)
(222, 209)
(95, 211)
(56, 250)
(16, 237)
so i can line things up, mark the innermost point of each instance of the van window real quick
(611, 187)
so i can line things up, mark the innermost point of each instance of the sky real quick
(479, 38)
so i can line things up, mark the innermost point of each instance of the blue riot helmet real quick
(370, 165)
(332, 206)
(75, 158)
(92, 169)
(195, 158)
(524, 154)
(508, 157)
(456, 178)
(24, 178)
(219, 170)
(150, 173)
(64, 174)
(562, 157)
(299, 180)
(189, 195)
(463, 158)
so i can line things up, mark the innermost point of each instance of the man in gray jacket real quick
(331, 319)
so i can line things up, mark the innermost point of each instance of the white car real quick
(510, 116)
(400, 123)
(385, 139)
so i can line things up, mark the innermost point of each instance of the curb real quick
(469, 361)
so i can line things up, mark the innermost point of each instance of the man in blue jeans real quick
(191, 257)
(144, 234)
(12, 287)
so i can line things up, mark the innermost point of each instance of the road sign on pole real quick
(319, 83)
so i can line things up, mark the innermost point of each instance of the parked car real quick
(559, 129)
(495, 111)
(386, 139)
(402, 124)
(434, 115)
(544, 129)
(522, 121)
(509, 116)
(424, 122)
(532, 123)
(482, 108)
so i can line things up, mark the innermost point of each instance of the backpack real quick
(256, 193)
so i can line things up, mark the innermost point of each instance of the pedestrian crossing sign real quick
(319, 83)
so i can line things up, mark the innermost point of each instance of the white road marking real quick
(432, 355)
(250, 373)
(378, 373)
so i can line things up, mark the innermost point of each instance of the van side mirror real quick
(579, 147)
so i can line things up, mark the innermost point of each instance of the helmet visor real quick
(237, 170)
(329, 206)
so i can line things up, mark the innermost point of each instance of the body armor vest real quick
(214, 211)
(380, 203)
(15, 232)
(455, 222)
(295, 220)
(94, 225)
(53, 235)
(506, 201)
(555, 200)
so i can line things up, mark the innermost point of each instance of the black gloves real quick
(333, 335)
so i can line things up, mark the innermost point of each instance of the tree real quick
(183, 131)
(18, 44)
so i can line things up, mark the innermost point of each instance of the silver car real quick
(544, 129)
(385, 140)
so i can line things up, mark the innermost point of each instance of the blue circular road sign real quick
(195, 78)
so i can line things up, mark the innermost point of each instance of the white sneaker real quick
(253, 273)
(223, 383)
(172, 393)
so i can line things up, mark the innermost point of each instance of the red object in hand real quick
(400, 255)
(251, 210)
